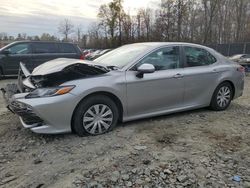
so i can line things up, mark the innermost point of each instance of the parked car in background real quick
(33, 54)
(96, 54)
(131, 82)
(101, 53)
(87, 52)
(92, 54)
(242, 59)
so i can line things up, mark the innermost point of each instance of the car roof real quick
(159, 44)
(30, 41)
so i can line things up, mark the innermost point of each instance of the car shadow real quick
(168, 116)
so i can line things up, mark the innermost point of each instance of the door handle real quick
(178, 75)
(214, 70)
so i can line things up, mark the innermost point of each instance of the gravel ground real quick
(198, 148)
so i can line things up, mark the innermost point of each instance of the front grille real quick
(29, 120)
(25, 112)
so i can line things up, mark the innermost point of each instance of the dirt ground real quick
(200, 148)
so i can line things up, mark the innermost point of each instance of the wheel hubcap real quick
(223, 96)
(98, 119)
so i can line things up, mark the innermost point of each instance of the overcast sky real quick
(35, 17)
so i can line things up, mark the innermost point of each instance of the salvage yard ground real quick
(200, 148)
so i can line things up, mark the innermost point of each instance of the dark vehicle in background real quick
(243, 60)
(33, 54)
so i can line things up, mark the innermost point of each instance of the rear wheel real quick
(95, 115)
(222, 97)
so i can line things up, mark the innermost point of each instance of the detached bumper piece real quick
(8, 92)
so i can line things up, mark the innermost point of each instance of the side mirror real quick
(6, 52)
(144, 69)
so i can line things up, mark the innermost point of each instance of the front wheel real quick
(222, 97)
(95, 115)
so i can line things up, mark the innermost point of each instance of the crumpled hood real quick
(58, 71)
(58, 65)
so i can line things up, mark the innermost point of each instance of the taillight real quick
(82, 57)
(241, 69)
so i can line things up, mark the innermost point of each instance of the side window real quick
(23, 48)
(198, 57)
(162, 59)
(44, 48)
(248, 56)
(67, 48)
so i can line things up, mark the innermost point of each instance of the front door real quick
(17, 53)
(158, 91)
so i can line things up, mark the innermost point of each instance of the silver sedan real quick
(131, 82)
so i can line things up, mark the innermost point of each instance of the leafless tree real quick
(66, 28)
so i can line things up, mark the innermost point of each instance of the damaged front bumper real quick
(51, 115)
(28, 117)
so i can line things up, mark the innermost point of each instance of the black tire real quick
(78, 125)
(216, 103)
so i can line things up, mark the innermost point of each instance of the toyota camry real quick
(131, 82)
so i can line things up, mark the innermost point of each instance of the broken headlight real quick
(49, 92)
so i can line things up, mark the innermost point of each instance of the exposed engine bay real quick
(72, 72)
(59, 73)
(47, 75)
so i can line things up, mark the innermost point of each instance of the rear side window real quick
(44, 48)
(198, 57)
(67, 48)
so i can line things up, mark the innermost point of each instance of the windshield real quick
(123, 55)
(5, 47)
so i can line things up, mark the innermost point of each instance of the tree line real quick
(198, 21)
(66, 28)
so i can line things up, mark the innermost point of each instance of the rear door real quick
(68, 50)
(20, 52)
(43, 52)
(200, 75)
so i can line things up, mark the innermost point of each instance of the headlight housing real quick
(49, 92)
